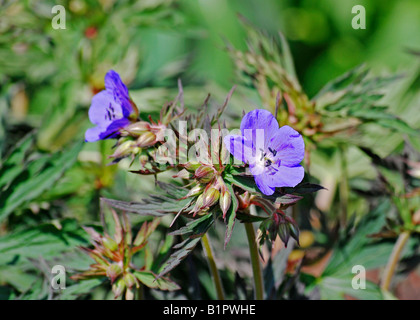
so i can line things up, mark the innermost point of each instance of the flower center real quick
(267, 160)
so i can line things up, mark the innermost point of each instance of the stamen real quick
(274, 152)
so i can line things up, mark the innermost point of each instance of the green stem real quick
(393, 260)
(213, 268)
(255, 261)
(140, 292)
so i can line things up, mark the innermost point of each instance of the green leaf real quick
(83, 287)
(183, 250)
(13, 164)
(38, 176)
(194, 229)
(244, 182)
(149, 279)
(49, 241)
(304, 188)
(230, 215)
(156, 205)
(359, 249)
(398, 125)
(336, 289)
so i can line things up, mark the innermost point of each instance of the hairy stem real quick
(393, 260)
(213, 268)
(255, 261)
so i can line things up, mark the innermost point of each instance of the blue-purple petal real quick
(286, 176)
(115, 86)
(261, 182)
(110, 131)
(288, 145)
(259, 119)
(102, 107)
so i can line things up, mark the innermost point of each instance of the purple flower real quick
(110, 109)
(273, 153)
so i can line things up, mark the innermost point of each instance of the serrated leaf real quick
(156, 205)
(398, 125)
(13, 164)
(175, 259)
(230, 215)
(37, 177)
(83, 287)
(195, 227)
(149, 279)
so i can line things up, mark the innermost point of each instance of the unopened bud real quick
(244, 200)
(124, 149)
(183, 174)
(130, 280)
(138, 128)
(146, 139)
(118, 287)
(195, 190)
(225, 201)
(110, 243)
(198, 204)
(210, 197)
(143, 159)
(293, 228)
(284, 233)
(191, 167)
(204, 174)
(113, 271)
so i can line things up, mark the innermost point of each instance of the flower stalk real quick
(213, 268)
(255, 262)
(393, 260)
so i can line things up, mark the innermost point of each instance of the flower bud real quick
(110, 243)
(183, 174)
(143, 158)
(198, 204)
(293, 228)
(210, 197)
(130, 280)
(191, 167)
(284, 233)
(118, 287)
(113, 271)
(124, 149)
(204, 174)
(138, 128)
(244, 200)
(146, 139)
(225, 201)
(195, 191)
